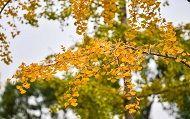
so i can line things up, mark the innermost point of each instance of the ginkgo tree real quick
(98, 58)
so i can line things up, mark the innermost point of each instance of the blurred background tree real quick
(39, 97)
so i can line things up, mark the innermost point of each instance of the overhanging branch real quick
(158, 54)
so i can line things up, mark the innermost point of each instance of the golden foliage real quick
(100, 58)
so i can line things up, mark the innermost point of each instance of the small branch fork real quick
(158, 54)
(4, 6)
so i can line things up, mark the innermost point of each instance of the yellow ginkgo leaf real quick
(109, 79)
(23, 91)
(132, 111)
(18, 87)
(76, 94)
(128, 98)
(178, 60)
(184, 54)
(113, 80)
(32, 80)
(132, 93)
(67, 96)
(66, 104)
(128, 106)
(74, 104)
(8, 80)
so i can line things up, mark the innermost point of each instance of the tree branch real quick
(158, 54)
(163, 91)
(4, 6)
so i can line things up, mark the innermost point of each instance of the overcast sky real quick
(34, 44)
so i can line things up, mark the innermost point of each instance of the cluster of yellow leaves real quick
(4, 49)
(4, 45)
(109, 10)
(117, 63)
(81, 13)
(130, 95)
(145, 14)
(131, 107)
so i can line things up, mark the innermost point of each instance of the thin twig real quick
(5, 6)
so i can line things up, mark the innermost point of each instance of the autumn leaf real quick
(66, 104)
(74, 104)
(132, 111)
(76, 94)
(23, 91)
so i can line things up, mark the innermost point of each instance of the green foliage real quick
(96, 99)
(14, 105)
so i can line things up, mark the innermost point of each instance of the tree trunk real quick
(124, 10)
(127, 115)
(146, 111)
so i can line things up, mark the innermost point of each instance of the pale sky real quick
(34, 44)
